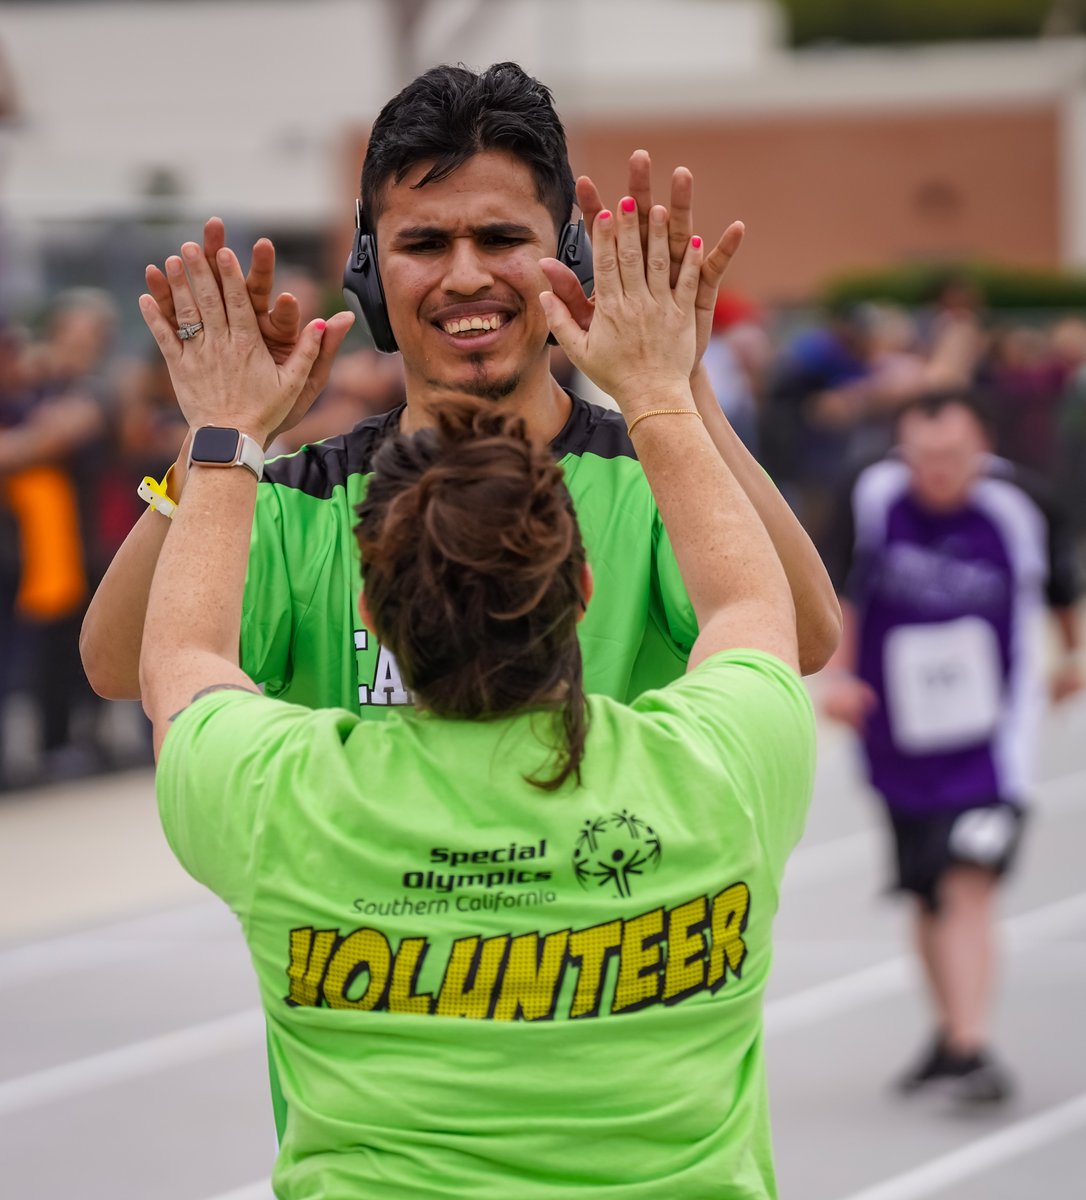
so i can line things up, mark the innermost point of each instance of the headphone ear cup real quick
(575, 250)
(364, 293)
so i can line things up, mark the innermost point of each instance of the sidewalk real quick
(79, 853)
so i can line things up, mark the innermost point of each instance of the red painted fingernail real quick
(605, 215)
(628, 204)
(695, 241)
(321, 325)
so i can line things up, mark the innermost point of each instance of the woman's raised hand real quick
(680, 208)
(640, 344)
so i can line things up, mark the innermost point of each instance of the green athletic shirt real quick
(476, 988)
(302, 637)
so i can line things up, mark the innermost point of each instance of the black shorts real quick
(927, 846)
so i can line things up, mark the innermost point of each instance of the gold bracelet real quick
(662, 412)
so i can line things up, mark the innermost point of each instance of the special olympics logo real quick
(615, 850)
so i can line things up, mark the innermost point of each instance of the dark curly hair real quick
(448, 114)
(473, 566)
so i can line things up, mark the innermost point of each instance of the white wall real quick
(627, 47)
(246, 102)
(249, 102)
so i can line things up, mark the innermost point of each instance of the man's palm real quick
(280, 324)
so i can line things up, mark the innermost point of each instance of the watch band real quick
(251, 455)
(220, 446)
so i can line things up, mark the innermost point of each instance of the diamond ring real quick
(184, 332)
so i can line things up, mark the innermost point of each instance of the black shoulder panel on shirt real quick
(323, 466)
(593, 430)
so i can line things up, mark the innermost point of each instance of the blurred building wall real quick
(850, 159)
(842, 158)
(206, 106)
(243, 105)
(258, 110)
(826, 193)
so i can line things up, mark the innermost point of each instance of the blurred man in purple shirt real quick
(946, 563)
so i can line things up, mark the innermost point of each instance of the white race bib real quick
(943, 684)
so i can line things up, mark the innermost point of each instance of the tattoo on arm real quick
(215, 687)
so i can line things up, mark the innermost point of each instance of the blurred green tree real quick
(905, 21)
(1002, 286)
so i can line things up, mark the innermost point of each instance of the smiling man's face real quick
(460, 268)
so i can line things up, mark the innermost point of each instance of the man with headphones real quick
(467, 195)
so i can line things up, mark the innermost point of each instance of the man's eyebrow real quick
(507, 228)
(422, 233)
(413, 233)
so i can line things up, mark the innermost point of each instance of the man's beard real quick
(481, 384)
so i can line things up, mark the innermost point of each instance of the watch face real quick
(214, 445)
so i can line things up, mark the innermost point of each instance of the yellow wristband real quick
(662, 412)
(154, 493)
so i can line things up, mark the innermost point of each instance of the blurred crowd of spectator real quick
(80, 425)
(829, 401)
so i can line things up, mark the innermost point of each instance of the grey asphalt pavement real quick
(131, 1050)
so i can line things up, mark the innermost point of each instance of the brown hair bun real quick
(473, 567)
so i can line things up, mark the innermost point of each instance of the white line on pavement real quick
(1008, 1142)
(826, 860)
(852, 991)
(814, 863)
(177, 1049)
(241, 1029)
(100, 945)
(247, 1027)
(253, 1191)
(128, 938)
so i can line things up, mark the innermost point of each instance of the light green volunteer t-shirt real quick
(477, 988)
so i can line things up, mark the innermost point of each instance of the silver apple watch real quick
(215, 446)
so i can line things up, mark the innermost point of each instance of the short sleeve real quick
(1064, 584)
(754, 714)
(267, 608)
(225, 766)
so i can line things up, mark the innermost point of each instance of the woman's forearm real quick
(195, 598)
(193, 621)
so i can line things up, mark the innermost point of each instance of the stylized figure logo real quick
(614, 850)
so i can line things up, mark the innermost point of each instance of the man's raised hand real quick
(226, 374)
(279, 323)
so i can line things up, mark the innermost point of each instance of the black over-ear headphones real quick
(365, 295)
